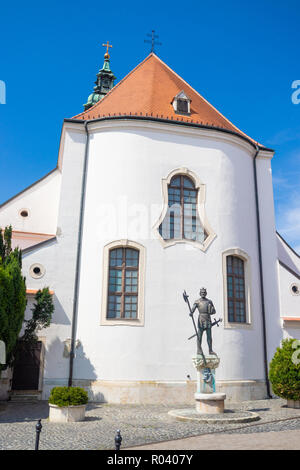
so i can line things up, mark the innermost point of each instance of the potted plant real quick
(67, 404)
(284, 372)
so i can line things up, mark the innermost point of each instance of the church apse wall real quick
(123, 202)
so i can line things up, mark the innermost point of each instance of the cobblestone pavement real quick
(278, 440)
(139, 425)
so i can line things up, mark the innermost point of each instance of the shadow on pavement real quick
(13, 412)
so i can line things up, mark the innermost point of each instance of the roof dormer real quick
(182, 103)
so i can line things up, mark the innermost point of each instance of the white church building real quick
(155, 192)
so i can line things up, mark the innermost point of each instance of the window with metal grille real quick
(236, 289)
(122, 299)
(182, 220)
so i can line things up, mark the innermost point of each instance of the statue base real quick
(207, 400)
(210, 403)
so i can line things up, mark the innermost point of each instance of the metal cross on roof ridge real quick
(153, 42)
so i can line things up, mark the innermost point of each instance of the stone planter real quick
(5, 383)
(293, 404)
(66, 414)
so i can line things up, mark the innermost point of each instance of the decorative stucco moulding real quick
(201, 212)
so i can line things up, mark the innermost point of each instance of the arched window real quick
(182, 220)
(123, 283)
(236, 297)
(122, 299)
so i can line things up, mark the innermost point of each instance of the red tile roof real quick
(148, 90)
(25, 240)
(35, 291)
(291, 318)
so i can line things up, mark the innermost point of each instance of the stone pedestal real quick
(210, 403)
(207, 400)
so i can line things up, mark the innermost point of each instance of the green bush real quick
(68, 396)
(12, 294)
(284, 374)
(42, 311)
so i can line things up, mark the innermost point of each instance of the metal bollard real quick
(38, 429)
(118, 440)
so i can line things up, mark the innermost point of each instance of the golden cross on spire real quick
(107, 46)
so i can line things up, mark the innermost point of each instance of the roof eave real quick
(169, 121)
(38, 245)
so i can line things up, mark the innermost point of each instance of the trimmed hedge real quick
(68, 396)
(284, 374)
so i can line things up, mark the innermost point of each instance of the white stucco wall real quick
(289, 302)
(127, 161)
(269, 255)
(58, 257)
(289, 274)
(41, 200)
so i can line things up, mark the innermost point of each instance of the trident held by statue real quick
(186, 299)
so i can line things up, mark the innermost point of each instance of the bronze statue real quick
(206, 309)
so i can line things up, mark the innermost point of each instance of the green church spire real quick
(104, 82)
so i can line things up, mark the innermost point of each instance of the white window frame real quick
(139, 321)
(247, 276)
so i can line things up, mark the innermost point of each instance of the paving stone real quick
(138, 424)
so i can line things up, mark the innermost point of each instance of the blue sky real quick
(241, 56)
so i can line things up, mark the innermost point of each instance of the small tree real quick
(41, 315)
(12, 293)
(285, 371)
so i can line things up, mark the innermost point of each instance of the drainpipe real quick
(78, 257)
(261, 275)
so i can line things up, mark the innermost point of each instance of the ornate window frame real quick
(247, 276)
(139, 321)
(200, 208)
